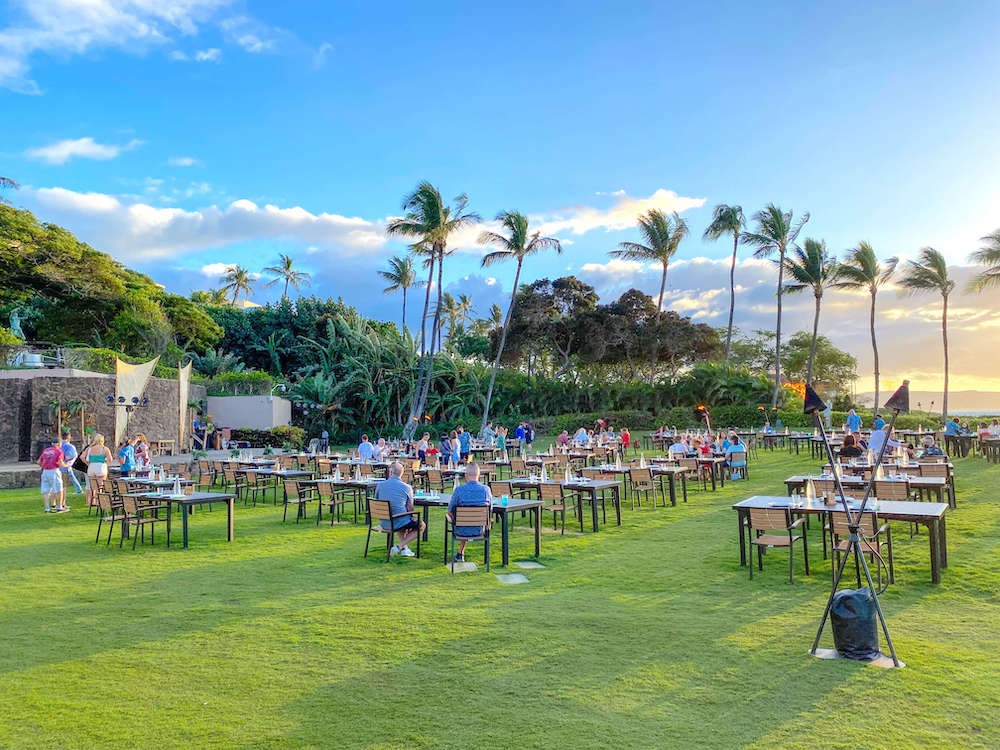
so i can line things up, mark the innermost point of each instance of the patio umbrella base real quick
(882, 660)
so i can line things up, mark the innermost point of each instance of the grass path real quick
(645, 636)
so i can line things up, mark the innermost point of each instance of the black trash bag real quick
(855, 633)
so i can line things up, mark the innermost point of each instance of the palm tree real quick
(6, 183)
(728, 220)
(401, 275)
(989, 256)
(775, 233)
(811, 268)
(517, 244)
(662, 234)
(495, 319)
(862, 270)
(929, 273)
(284, 270)
(429, 221)
(449, 311)
(236, 280)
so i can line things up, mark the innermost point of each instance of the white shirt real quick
(877, 439)
(678, 448)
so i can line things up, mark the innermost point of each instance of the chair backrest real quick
(471, 515)
(738, 457)
(770, 519)
(285, 462)
(550, 492)
(869, 522)
(931, 459)
(380, 510)
(562, 460)
(325, 489)
(499, 489)
(324, 466)
(640, 476)
(825, 486)
(130, 505)
(217, 465)
(121, 487)
(104, 501)
(517, 465)
(891, 489)
(204, 466)
(291, 488)
(344, 469)
(691, 464)
(366, 470)
(933, 470)
(250, 476)
(434, 476)
(229, 474)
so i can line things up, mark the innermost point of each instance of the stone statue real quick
(15, 323)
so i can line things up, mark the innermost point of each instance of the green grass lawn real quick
(649, 636)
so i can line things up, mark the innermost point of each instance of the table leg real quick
(672, 478)
(684, 486)
(593, 505)
(230, 512)
(933, 531)
(714, 465)
(184, 515)
(505, 537)
(538, 531)
(722, 475)
(169, 506)
(743, 541)
(618, 505)
(427, 514)
(943, 542)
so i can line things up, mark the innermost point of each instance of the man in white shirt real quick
(679, 447)
(880, 437)
(366, 451)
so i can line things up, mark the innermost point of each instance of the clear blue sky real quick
(878, 118)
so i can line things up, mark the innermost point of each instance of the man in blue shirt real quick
(951, 427)
(470, 493)
(853, 421)
(930, 449)
(366, 451)
(400, 497)
(520, 434)
(69, 456)
(878, 423)
(464, 443)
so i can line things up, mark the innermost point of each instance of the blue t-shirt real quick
(951, 427)
(470, 493)
(127, 457)
(366, 451)
(399, 494)
(464, 440)
(519, 434)
(853, 422)
(69, 454)
(878, 424)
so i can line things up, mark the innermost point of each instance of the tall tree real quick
(401, 275)
(285, 270)
(775, 233)
(728, 220)
(988, 255)
(813, 268)
(861, 270)
(517, 244)
(430, 221)
(662, 235)
(237, 280)
(929, 273)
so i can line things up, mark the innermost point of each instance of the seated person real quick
(733, 444)
(699, 447)
(850, 448)
(381, 450)
(994, 428)
(562, 438)
(400, 497)
(929, 448)
(581, 438)
(880, 438)
(470, 493)
(366, 451)
(768, 429)
(860, 441)
(422, 447)
(679, 447)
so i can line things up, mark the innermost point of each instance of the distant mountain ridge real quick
(973, 402)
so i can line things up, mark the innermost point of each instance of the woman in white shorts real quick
(97, 456)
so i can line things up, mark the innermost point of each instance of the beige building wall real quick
(250, 412)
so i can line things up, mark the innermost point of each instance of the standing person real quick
(501, 439)
(324, 440)
(69, 456)
(126, 457)
(445, 447)
(381, 450)
(366, 451)
(50, 462)
(529, 434)
(422, 447)
(141, 450)
(98, 457)
(456, 448)
(486, 434)
(470, 493)
(626, 439)
(853, 421)
(520, 436)
(400, 497)
(878, 423)
(465, 443)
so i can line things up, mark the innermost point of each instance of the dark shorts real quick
(413, 525)
(464, 456)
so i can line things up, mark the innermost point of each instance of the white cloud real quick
(319, 59)
(183, 161)
(208, 55)
(84, 148)
(71, 27)
(216, 269)
(138, 231)
(621, 215)
(253, 36)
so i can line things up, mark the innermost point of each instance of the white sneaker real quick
(407, 552)
(394, 551)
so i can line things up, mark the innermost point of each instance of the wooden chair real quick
(872, 541)
(693, 470)
(324, 466)
(135, 516)
(252, 486)
(763, 520)
(891, 489)
(380, 510)
(558, 499)
(334, 498)
(294, 495)
(434, 480)
(517, 467)
(939, 470)
(108, 511)
(469, 516)
(230, 482)
(738, 463)
(641, 481)
(502, 488)
(366, 470)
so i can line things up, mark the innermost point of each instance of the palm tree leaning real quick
(429, 221)
(662, 235)
(813, 268)
(517, 244)
(237, 280)
(728, 220)
(285, 270)
(989, 256)
(861, 270)
(401, 275)
(775, 233)
(929, 273)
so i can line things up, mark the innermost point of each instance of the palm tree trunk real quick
(874, 351)
(812, 348)
(416, 408)
(435, 336)
(944, 338)
(503, 340)
(404, 309)
(777, 336)
(732, 294)
(284, 294)
(656, 337)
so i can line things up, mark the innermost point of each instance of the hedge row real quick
(276, 437)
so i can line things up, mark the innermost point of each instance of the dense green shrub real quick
(273, 438)
(245, 383)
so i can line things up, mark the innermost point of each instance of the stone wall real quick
(27, 418)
